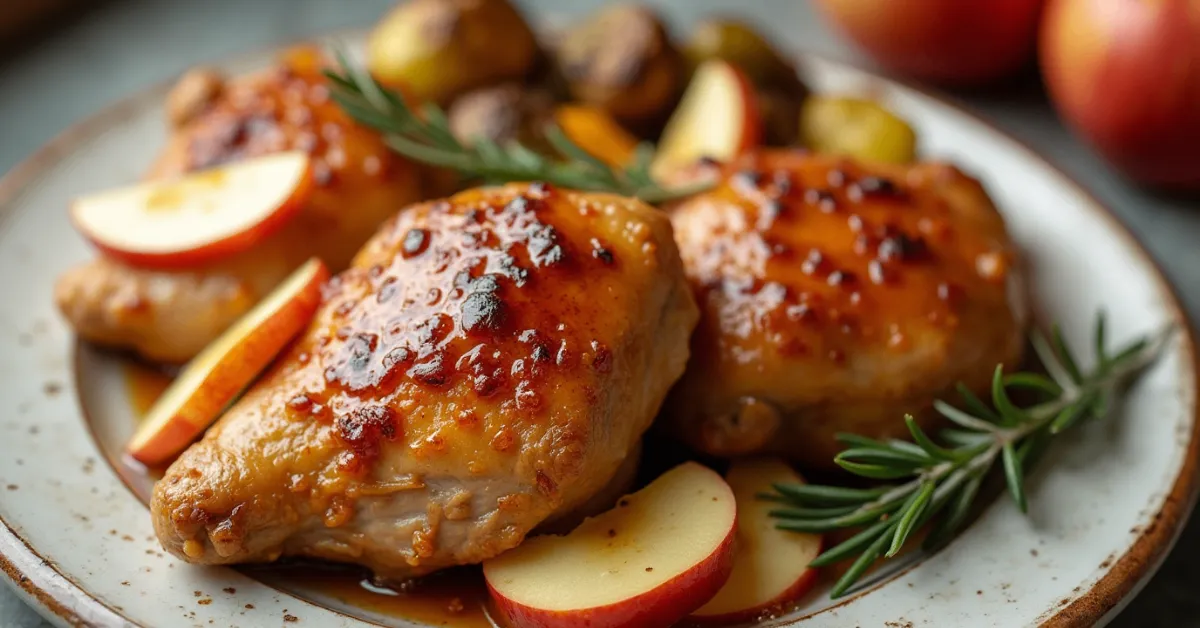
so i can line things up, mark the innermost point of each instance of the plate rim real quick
(39, 582)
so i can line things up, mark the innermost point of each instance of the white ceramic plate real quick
(80, 546)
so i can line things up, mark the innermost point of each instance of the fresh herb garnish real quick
(945, 479)
(426, 138)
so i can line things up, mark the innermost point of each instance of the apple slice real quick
(660, 554)
(200, 217)
(224, 368)
(718, 118)
(770, 568)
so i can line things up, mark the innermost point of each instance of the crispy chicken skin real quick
(836, 297)
(170, 315)
(487, 363)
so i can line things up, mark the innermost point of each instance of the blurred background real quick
(1111, 95)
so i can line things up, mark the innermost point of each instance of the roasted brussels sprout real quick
(437, 49)
(780, 91)
(741, 45)
(859, 128)
(502, 113)
(622, 61)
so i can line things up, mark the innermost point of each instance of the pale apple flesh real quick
(718, 118)
(660, 554)
(199, 218)
(213, 378)
(770, 568)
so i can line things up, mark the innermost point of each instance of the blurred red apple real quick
(954, 42)
(1126, 75)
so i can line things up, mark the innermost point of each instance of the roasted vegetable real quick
(502, 113)
(741, 45)
(597, 133)
(857, 128)
(437, 49)
(780, 91)
(621, 60)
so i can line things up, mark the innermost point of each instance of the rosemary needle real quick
(943, 480)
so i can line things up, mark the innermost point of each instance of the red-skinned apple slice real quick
(770, 567)
(200, 217)
(214, 377)
(660, 554)
(718, 118)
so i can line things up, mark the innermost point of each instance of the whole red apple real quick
(1126, 75)
(954, 42)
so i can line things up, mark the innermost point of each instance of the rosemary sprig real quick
(426, 138)
(943, 480)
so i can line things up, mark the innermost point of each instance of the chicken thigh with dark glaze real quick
(171, 315)
(487, 363)
(836, 297)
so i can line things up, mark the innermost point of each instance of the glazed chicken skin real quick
(836, 297)
(488, 363)
(170, 315)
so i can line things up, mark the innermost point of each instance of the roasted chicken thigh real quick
(838, 296)
(170, 315)
(489, 362)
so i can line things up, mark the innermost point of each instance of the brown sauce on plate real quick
(144, 384)
(454, 597)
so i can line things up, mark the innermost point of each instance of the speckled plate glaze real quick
(79, 545)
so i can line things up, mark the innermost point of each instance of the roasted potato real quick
(780, 91)
(437, 49)
(858, 128)
(621, 60)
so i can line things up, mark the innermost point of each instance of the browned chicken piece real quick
(170, 315)
(835, 297)
(488, 363)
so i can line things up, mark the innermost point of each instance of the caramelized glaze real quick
(487, 364)
(836, 296)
